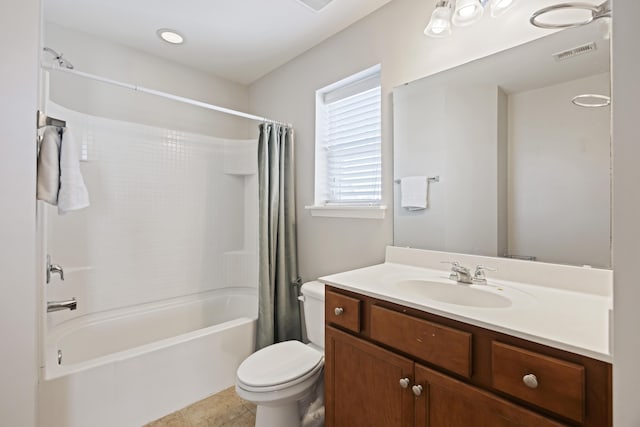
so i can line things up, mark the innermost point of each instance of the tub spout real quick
(71, 304)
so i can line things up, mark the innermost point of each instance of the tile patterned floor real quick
(224, 409)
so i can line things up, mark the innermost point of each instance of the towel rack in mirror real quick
(429, 179)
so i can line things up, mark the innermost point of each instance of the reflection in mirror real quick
(524, 172)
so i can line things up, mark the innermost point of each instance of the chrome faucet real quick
(71, 304)
(459, 273)
(462, 274)
(479, 275)
(53, 269)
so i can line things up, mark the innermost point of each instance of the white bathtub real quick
(130, 366)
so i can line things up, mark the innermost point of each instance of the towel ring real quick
(600, 11)
(584, 100)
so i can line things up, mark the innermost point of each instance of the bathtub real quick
(129, 366)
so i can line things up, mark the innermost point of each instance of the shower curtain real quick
(278, 307)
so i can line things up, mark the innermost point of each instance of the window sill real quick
(367, 212)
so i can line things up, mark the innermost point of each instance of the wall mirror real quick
(523, 171)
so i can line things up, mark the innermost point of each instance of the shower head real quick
(62, 62)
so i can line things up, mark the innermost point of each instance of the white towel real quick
(48, 176)
(73, 193)
(414, 192)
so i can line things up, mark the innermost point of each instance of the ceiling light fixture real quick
(462, 13)
(170, 36)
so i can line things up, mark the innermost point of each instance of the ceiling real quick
(240, 40)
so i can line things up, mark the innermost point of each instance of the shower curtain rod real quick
(165, 95)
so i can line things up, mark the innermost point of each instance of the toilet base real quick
(286, 415)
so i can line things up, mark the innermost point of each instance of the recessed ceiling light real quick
(170, 36)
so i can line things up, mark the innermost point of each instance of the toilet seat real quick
(279, 366)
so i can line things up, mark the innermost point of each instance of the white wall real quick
(559, 174)
(450, 131)
(97, 56)
(626, 212)
(392, 36)
(19, 95)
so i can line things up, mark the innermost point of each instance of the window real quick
(348, 144)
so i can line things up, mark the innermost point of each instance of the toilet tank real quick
(313, 299)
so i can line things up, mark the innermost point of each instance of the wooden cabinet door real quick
(363, 384)
(446, 402)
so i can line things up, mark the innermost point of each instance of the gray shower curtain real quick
(278, 307)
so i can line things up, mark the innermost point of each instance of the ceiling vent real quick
(316, 5)
(576, 51)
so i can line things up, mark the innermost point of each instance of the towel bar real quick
(429, 179)
(43, 120)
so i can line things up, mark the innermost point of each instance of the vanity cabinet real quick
(388, 365)
(364, 388)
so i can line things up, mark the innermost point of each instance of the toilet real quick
(277, 377)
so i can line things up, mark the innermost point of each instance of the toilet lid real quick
(278, 363)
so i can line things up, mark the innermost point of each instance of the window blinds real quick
(352, 142)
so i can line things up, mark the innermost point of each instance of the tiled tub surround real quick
(164, 268)
(172, 214)
(560, 306)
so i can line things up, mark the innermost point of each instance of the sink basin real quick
(456, 294)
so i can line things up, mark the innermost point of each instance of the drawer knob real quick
(338, 311)
(417, 390)
(404, 382)
(530, 381)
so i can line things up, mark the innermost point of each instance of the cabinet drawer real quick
(558, 386)
(342, 310)
(437, 344)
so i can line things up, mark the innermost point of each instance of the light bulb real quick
(440, 22)
(467, 12)
(439, 27)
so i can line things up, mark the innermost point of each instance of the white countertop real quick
(567, 319)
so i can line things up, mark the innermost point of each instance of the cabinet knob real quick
(338, 311)
(404, 382)
(530, 381)
(417, 390)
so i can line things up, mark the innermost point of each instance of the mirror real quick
(522, 171)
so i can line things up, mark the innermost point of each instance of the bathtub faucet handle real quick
(71, 304)
(53, 269)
